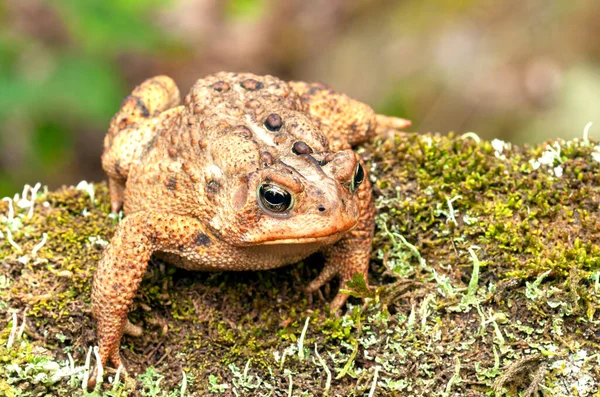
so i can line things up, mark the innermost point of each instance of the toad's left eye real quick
(357, 179)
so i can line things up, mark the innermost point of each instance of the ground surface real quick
(486, 267)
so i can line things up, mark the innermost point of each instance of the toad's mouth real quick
(323, 236)
(304, 240)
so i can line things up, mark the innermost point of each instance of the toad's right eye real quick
(274, 198)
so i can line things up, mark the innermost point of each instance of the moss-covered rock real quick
(486, 275)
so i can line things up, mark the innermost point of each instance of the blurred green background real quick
(522, 71)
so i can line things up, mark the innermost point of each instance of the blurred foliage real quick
(48, 87)
(250, 9)
(519, 71)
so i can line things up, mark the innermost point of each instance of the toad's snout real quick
(342, 166)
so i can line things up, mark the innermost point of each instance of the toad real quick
(249, 173)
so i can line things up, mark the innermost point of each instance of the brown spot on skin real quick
(253, 104)
(220, 86)
(314, 89)
(193, 177)
(202, 144)
(280, 138)
(267, 158)
(252, 85)
(327, 159)
(171, 183)
(213, 187)
(172, 152)
(301, 148)
(223, 125)
(273, 122)
(139, 104)
(244, 131)
(289, 103)
(118, 167)
(201, 240)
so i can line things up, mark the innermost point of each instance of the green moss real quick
(444, 316)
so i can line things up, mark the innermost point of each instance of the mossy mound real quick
(486, 269)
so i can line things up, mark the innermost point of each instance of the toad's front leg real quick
(351, 255)
(122, 267)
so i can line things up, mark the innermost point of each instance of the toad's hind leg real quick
(131, 130)
(345, 121)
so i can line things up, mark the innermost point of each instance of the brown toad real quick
(251, 173)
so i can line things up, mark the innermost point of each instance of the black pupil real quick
(359, 176)
(274, 198)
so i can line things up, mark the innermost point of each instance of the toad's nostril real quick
(322, 208)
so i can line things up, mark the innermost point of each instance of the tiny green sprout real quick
(470, 298)
(117, 377)
(494, 319)
(451, 212)
(183, 384)
(86, 370)
(350, 362)
(12, 242)
(424, 311)
(291, 382)
(39, 245)
(326, 369)
(586, 133)
(472, 289)
(596, 278)
(532, 290)
(456, 379)
(357, 287)
(412, 318)
(5, 281)
(214, 385)
(374, 382)
(151, 382)
(13, 331)
(11, 210)
(471, 135)
(99, 369)
(88, 188)
(443, 282)
(26, 203)
(301, 339)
